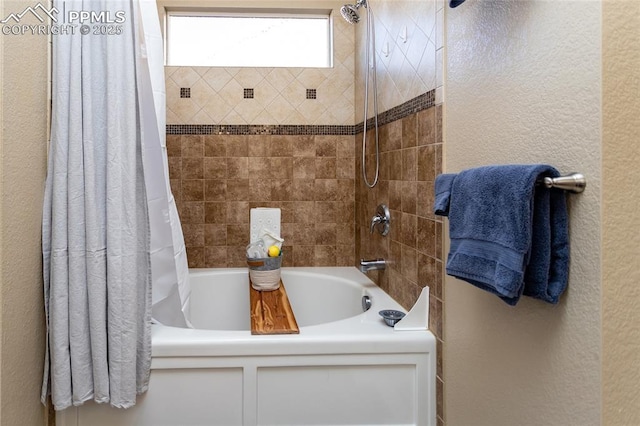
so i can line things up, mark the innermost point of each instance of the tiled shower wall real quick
(217, 179)
(410, 158)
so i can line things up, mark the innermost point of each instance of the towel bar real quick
(575, 182)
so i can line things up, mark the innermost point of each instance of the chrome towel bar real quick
(575, 182)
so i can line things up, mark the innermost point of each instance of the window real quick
(248, 39)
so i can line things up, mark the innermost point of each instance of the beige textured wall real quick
(24, 119)
(621, 217)
(523, 84)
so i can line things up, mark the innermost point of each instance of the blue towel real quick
(443, 194)
(508, 236)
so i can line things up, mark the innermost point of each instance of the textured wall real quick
(523, 84)
(23, 142)
(621, 217)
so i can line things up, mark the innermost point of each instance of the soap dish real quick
(391, 317)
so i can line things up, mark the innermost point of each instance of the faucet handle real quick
(382, 217)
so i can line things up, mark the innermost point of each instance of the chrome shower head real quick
(350, 11)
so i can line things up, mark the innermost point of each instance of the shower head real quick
(350, 11)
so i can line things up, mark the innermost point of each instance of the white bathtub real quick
(346, 367)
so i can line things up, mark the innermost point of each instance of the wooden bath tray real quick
(271, 312)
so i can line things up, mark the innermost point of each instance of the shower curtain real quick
(113, 250)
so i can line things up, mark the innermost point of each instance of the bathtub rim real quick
(363, 333)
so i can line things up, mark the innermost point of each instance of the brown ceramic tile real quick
(192, 146)
(395, 165)
(426, 272)
(409, 264)
(192, 212)
(305, 212)
(260, 189)
(438, 159)
(426, 237)
(281, 146)
(287, 211)
(345, 212)
(439, 398)
(215, 212)
(237, 168)
(238, 212)
(395, 255)
(409, 228)
(281, 189)
(439, 360)
(193, 235)
(215, 257)
(215, 168)
(424, 200)
(325, 234)
(215, 190)
(345, 234)
(325, 255)
(175, 167)
(237, 235)
(427, 126)
(409, 131)
(326, 146)
(304, 168)
(280, 168)
(237, 256)
(409, 197)
(426, 163)
(195, 257)
(410, 164)
(395, 230)
(237, 146)
(394, 135)
(258, 145)
(303, 190)
(438, 279)
(325, 211)
(238, 189)
(395, 195)
(215, 234)
(304, 255)
(193, 190)
(326, 189)
(326, 168)
(345, 255)
(345, 146)
(384, 166)
(439, 138)
(304, 146)
(192, 168)
(259, 167)
(174, 145)
(215, 146)
(438, 243)
(345, 190)
(301, 234)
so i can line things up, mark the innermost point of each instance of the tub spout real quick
(372, 265)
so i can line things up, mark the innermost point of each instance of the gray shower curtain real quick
(97, 246)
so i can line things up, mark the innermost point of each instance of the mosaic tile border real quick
(419, 103)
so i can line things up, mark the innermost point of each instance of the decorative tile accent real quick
(248, 93)
(311, 94)
(185, 92)
(412, 106)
